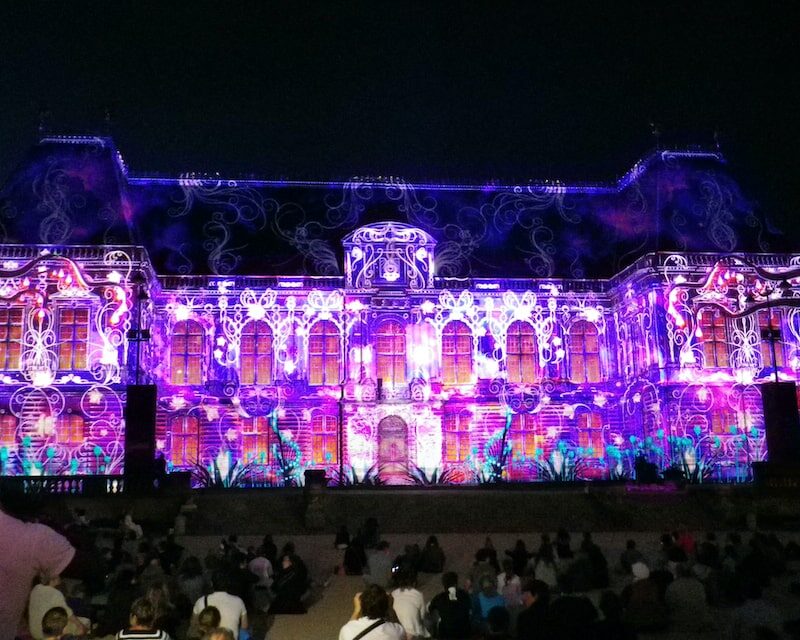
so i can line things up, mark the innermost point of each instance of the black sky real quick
(452, 90)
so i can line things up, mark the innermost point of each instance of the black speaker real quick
(782, 422)
(140, 432)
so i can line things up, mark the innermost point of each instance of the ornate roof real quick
(76, 190)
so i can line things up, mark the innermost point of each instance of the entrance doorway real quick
(393, 449)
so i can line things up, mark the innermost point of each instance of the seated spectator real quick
(355, 558)
(371, 617)
(191, 579)
(288, 588)
(685, 540)
(708, 551)
(409, 559)
(482, 568)
(571, 617)
(686, 601)
(371, 534)
(409, 604)
(532, 621)
(121, 595)
(233, 614)
(597, 562)
(54, 623)
(508, 584)
(630, 556)
(452, 607)
(261, 568)
(612, 627)
(379, 565)
(671, 554)
(432, 558)
(141, 624)
(545, 568)
(756, 617)
(498, 624)
(563, 548)
(644, 609)
(342, 539)
(165, 616)
(269, 549)
(207, 620)
(44, 596)
(486, 599)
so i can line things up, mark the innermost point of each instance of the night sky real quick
(436, 90)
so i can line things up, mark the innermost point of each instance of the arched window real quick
(769, 323)
(584, 352)
(324, 440)
(391, 352)
(8, 431)
(456, 353)
(69, 429)
(456, 436)
(185, 449)
(522, 353)
(255, 353)
(73, 338)
(590, 434)
(256, 440)
(323, 353)
(713, 335)
(10, 337)
(187, 352)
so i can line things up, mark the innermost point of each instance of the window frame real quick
(75, 424)
(581, 357)
(182, 436)
(713, 345)
(518, 362)
(456, 426)
(326, 360)
(258, 429)
(262, 353)
(457, 353)
(391, 363)
(324, 433)
(73, 350)
(10, 343)
(188, 356)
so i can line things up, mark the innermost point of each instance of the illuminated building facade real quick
(472, 332)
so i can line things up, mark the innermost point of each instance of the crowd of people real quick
(545, 593)
(132, 585)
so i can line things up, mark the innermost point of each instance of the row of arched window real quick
(257, 354)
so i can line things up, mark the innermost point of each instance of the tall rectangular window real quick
(256, 353)
(584, 352)
(8, 431)
(714, 338)
(323, 354)
(456, 353)
(456, 436)
(10, 337)
(187, 352)
(391, 353)
(522, 353)
(73, 338)
(324, 440)
(185, 441)
(590, 434)
(256, 440)
(526, 436)
(770, 320)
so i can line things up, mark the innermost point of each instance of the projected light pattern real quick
(408, 361)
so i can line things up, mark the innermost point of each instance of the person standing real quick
(29, 549)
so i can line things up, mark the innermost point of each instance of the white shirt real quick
(43, 598)
(231, 609)
(387, 631)
(409, 605)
